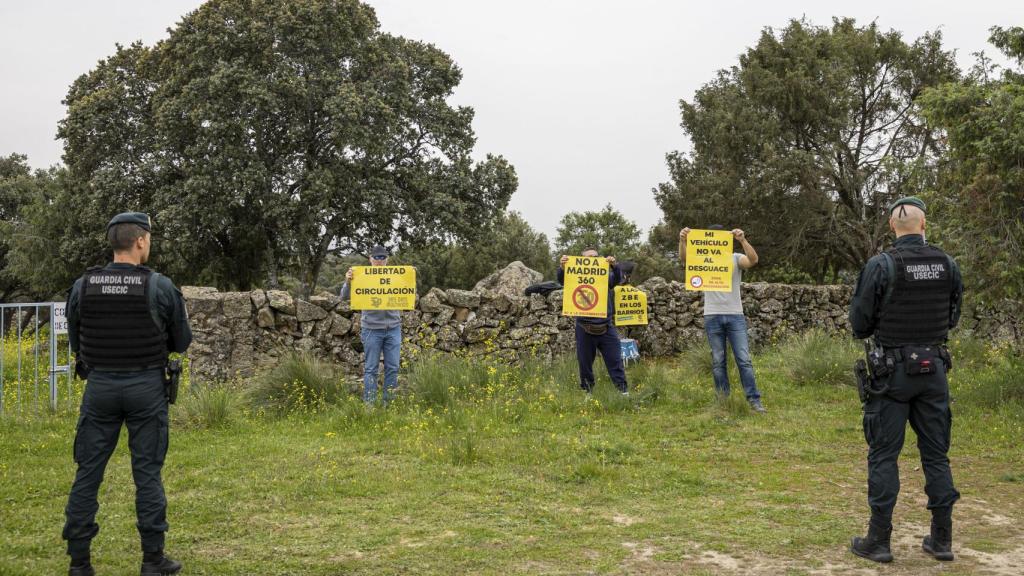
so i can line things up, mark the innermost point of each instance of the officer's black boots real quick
(939, 544)
(156, 564)
(81, 567)
(874, 546)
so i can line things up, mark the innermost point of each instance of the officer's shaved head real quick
(907, 219)
(123, 236)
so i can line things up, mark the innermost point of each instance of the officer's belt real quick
(897, 353)
(127, 369)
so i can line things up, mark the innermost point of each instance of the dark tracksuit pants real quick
(587, 346)
(923, 400)
(111, 399)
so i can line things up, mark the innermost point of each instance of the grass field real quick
(483, 469)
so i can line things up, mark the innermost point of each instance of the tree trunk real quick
(273, 282)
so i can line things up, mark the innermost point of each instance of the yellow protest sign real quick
(630, 306)
(586, 287)
(709, 260)
(383, 287)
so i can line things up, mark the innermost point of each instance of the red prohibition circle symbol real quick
(585, 297)
(696, 281)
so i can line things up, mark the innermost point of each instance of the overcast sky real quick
(581, 96)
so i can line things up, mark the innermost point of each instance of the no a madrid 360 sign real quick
(586, 287)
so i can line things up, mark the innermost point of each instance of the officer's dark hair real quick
(586, 248)
(716, 227)
(123, 236)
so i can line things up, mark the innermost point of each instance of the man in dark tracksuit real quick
(908, 298)
(598, 334)
(123, 320)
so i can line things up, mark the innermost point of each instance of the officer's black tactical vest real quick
(918, 310)
(116, 329)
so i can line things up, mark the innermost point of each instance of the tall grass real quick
(989, 376)
(696, 360)
(481, 467)
(213, 406)
(301, 382)
(470, 393)
(818, 358)
(25, 369)
(438, 380)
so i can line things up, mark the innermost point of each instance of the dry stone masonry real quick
(239, 333)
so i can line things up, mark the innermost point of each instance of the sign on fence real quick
(59, 321)
(33, 360)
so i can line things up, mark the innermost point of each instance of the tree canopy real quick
(263, 135)
(980, 206)
(607, 231)
(20, 190)
(806, 140)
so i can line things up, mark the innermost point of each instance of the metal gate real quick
(35, 358)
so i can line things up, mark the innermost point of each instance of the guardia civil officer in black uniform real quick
(123, 320)
(907, 299)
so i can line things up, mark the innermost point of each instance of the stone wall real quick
(238, 333)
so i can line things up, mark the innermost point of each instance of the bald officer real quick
(123, 320)
(907, 299)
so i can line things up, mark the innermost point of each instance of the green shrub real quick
(999, 383)
(650, 379)
(696, 360)
(584, 470)
(559, 373)
(732, 406)
(434, 380)
(969, 352)
(351, 413)
(439, 380)
(301, 382)
(462, 449)
(816, 357)
(207, 406)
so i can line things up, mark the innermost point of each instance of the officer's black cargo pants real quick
(923, 400)
(112, 398)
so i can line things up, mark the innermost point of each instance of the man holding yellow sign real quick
(587, 281)
(713, 268)
(380, 291)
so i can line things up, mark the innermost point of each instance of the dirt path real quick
(1000, 532)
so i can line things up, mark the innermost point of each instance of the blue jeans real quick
(375, 341)
(731, 327)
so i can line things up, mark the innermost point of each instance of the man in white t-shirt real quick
(724, 322)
